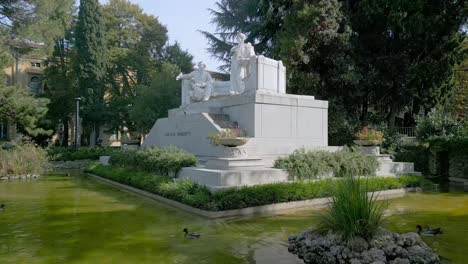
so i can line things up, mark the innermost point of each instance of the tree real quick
(260, 19)
(135, 42)
(91, 63)
(376, 57)
(136, 39)
(410, 48)
(61, 84)
(13, 12)
(175, 55)
(19, 107)
(19, 19)
(458, 103)
(40, 21)
(153, 102)
(51, 20)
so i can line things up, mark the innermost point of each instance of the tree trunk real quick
(364, 112)
(66, 127)
(392, 116)
(92, 136)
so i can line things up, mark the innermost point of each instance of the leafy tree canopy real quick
(380, 58)
(153, 102)
(18, 106)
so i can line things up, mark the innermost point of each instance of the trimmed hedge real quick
(311, 165)
(200, 197)
(163, 161)
(70, 154)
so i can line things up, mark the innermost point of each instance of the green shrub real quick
(163, 161)
(440, 123)
(411, 181)
(352, 212)
(70, 154)
(23, 159)
(307, 165)
(392, 140)
(200, 197)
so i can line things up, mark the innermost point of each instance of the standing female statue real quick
(241, 54)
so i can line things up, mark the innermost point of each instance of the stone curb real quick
(270, 209)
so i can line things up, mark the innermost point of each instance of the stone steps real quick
(395, 168)
(222, 120)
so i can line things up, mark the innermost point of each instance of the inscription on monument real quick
(178, 134)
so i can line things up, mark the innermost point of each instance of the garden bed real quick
(271, 198)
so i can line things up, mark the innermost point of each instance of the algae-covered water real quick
(62, 219)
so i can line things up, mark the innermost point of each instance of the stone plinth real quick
(372, 150)
(221, 179)
(223, 173)
(230, 163)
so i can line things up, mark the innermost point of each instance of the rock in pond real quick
(386, 247)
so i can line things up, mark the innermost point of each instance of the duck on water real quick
(190, 235)
(429, 232)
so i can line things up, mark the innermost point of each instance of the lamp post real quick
(77, 126)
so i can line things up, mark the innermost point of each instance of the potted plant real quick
(369, 137)
(230, 137)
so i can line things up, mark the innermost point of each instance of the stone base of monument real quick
(387, 166)
(223, 173)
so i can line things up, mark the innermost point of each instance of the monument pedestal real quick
(276, 124)
(223, 173)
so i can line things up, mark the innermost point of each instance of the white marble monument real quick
(255, 100)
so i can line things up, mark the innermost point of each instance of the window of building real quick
(35, 85)
(35, 64)
(3, 131)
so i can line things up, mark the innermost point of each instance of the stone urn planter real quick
(233, 142)
(367, 143)
(130, 142)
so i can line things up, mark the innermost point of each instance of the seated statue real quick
(240, 64)
(199, 85)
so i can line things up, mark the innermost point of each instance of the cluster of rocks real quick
(19, 177)
(387, 247)
(69, 165)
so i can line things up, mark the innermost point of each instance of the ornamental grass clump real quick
(312, 165)
(353, 211)
(21, 160)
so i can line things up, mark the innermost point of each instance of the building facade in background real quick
(27, 70)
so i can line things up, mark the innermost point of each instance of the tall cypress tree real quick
(91, 61)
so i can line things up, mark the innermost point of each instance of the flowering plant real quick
(227, 133)
(370, 134)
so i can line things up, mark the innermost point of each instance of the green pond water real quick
(62, 219)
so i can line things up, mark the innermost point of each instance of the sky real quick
(183, 19)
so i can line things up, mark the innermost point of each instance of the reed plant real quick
(25, 159)
(354, 211)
